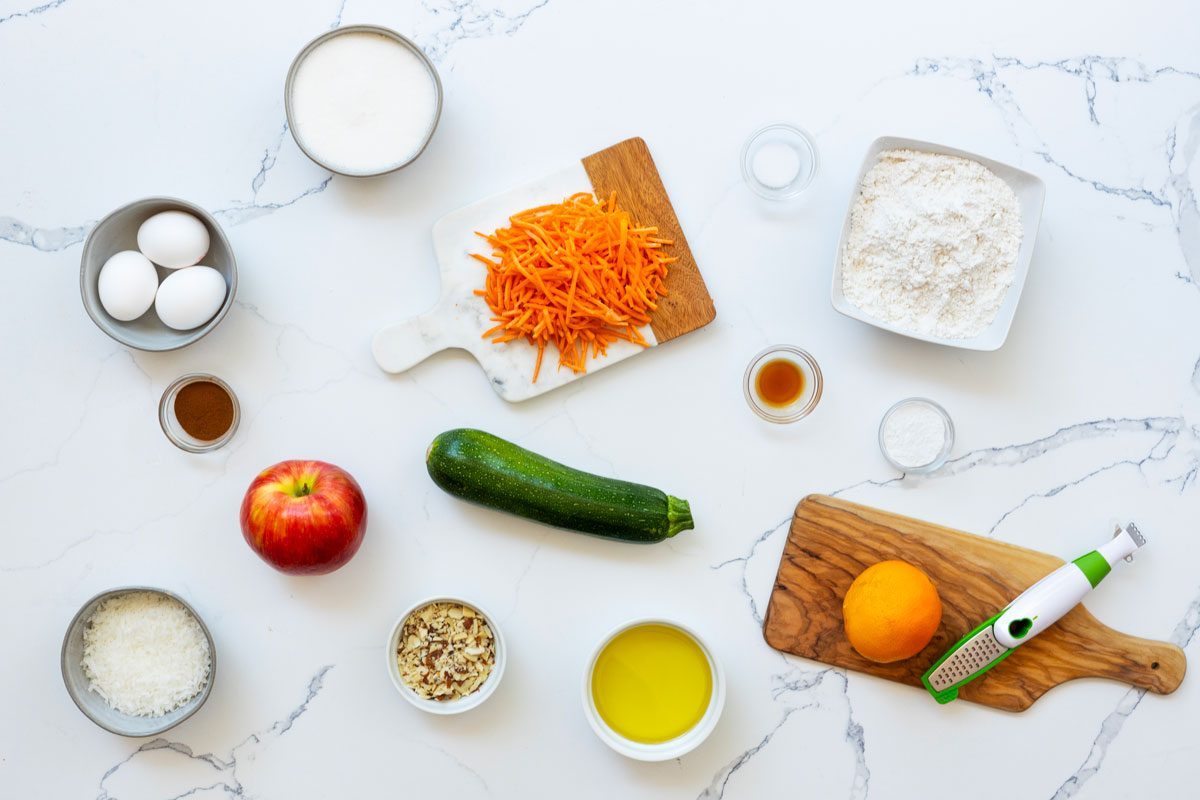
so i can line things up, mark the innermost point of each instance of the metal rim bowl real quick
(117, 232)
(325, 37)
(95, 707)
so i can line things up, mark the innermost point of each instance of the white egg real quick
(173, 239)
(126, 285)
(189, 297)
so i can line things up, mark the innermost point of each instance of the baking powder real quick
(914, 435)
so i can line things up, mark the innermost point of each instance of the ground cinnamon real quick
(204, 410)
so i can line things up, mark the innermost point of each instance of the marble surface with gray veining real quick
(1090, 412)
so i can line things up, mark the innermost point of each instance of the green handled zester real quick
(1034, 610)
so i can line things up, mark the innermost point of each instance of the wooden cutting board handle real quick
(1144, 663)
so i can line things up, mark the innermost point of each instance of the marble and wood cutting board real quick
(460, 317)
(831, 541)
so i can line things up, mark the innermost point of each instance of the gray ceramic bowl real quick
(117, 232)
(379, 30)
(95, 707)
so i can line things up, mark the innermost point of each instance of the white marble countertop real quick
(1090, 412)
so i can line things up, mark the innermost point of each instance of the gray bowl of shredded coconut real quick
(138, 661)
(937, 243)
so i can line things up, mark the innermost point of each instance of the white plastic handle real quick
(1042, 605)
(1118, 548)
(1048, 600)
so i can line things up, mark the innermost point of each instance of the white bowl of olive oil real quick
(652, 690)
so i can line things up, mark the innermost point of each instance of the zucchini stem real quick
(679, 516)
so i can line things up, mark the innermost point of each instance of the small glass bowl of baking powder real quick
(916, 436)
(779, 161)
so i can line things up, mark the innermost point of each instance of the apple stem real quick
(305, 490)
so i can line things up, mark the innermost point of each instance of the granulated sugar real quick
(363, 102)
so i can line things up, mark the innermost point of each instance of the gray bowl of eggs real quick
(157, 274)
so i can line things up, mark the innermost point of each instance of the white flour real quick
(932, 244)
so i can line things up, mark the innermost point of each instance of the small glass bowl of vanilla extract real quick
(783, 384)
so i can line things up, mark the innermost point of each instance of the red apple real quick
(304, 517)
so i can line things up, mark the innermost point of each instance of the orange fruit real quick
(891, 611)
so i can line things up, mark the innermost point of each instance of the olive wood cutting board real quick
(460, 317)
(831, 541)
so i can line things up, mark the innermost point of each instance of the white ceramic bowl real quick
(446, 707)
(1031, 194)
(673, 748)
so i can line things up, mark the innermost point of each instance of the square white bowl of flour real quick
(1030, 191)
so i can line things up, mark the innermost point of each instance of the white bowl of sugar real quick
(362, 100)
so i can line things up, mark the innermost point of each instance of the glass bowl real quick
(799, 408)
(175, 432)
(779, 161)
(947, 445)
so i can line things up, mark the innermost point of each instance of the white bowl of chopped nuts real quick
(445, 655)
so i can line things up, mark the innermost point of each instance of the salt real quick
(914, 435)
(775, 164)
(363, 103)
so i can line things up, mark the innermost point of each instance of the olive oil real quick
(652, 683)
(779, 382)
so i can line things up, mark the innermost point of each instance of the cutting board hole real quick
(1154, 665)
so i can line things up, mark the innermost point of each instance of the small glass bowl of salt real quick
(779, 161)
(916, 436)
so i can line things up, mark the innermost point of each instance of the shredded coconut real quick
(145, 654)
(932, 245)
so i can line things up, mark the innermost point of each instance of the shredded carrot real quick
(578, 274)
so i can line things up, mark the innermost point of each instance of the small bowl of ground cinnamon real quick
(199, 413)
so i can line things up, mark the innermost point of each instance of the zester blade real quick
(971, 657)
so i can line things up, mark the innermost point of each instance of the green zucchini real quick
(485, 469)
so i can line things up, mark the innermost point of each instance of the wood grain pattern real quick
(831, 541)
(628, 169)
